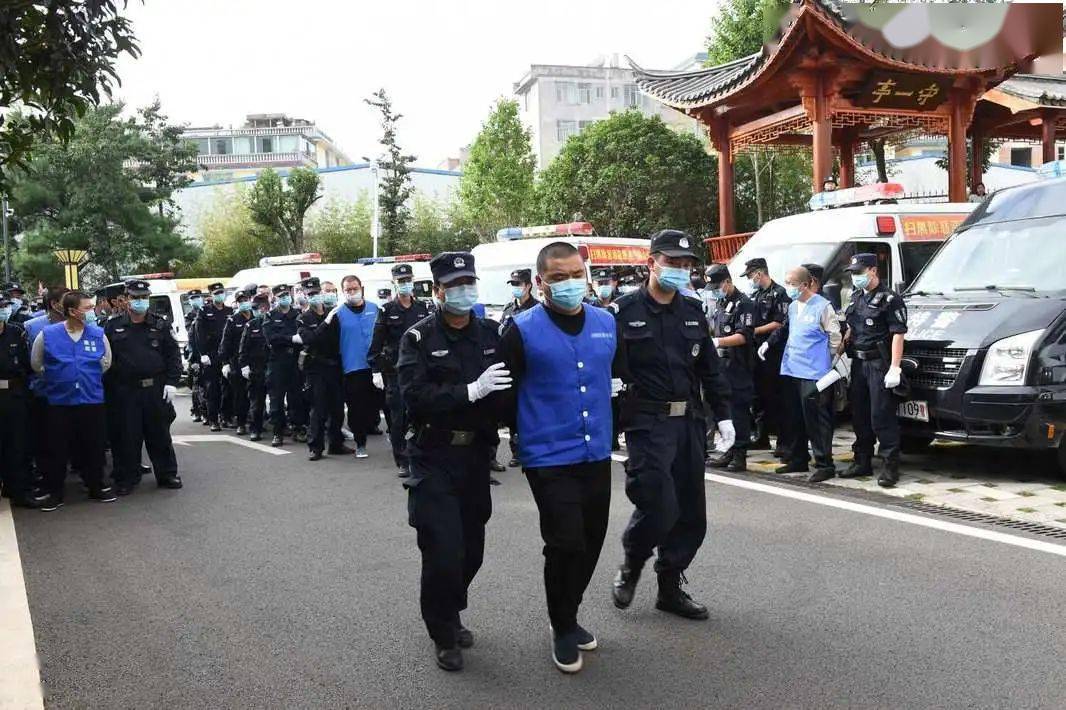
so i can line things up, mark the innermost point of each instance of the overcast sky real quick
(444, 62)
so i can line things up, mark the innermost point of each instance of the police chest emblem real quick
(696, 350)
(439, 353)
(459, 262)
(394, 317)
(727, 329)
(692, 322)
(155, 343)
(490, 351)
(869, 321)
(683, 243)
(120, 330)
(637, 324)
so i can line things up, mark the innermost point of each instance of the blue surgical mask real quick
(793, 292)
(139, 305)
(568, 294)
(316, 300)
(674, 278)
(244, 306)
(329, 299)
(90, 318)
(16, 303)
(717, 293)
(518, 291)
(5, 313)
(196, 303)
(604, 291)
(861, 281)
(219, 298)
(405, 288)
(302, 301)
(460, 299)
(284, 301)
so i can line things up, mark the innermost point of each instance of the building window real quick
(584, 93)
(1021, 156)
(265, 144)
(566, 92)
(243, 145)
(221, 146)
(203, 146)
(632, 99)
(614, 92)
(1060, 152)
(599, 92)
(565, 129)
(582, 125)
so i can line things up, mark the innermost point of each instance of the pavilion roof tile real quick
(1043, 89)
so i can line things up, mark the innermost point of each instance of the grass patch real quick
(956, 490)
(991, 485)
(957, 475)
(924, 481)
(862, 478)
(1059, 486)
(1026, 510)
(915, 496)
(1061, 504)
(1026, 494)
(989, 499)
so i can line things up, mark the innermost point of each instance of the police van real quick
(986, 340)
(841, 224)
(517, 248)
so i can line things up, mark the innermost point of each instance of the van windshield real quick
(782, 257)
(1023, 256)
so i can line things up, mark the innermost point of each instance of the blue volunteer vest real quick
(807, 353)
(33, 327)
(73, 372)
(357, 330)
(564, 397)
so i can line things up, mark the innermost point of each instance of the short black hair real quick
(54, 294)
(351, 277)
(555, 250)
(73, 299)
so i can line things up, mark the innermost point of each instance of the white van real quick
(168, 299)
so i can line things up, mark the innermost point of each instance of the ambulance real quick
(517, 248)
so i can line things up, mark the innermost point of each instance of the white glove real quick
(168, 393)
(616, 386)
(246, 372)
(329, 316)
(379, 381)
(715, 341)
(493, 379)
(297, 339)
(205, 361)
(727, 435)
(892, 377)
(763, 349)
(226, 370)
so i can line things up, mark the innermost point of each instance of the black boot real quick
(739, 462)
(720, 461)
(861, 466)
(890, 476)
(673, 600)
(449, 659)
(625, 584)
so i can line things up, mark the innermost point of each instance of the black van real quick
(987, 328)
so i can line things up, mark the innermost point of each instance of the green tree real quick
(82, 194)
(770, 184)
(741, 27)
(496, 189)
(231, 238)
(57, 59)
(396, 185)
(433, 228)
(340, 231)
(631, 175)
(166, 161)
(281, 208)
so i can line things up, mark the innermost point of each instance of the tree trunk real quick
(877, 145)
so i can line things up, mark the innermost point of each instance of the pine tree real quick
(395, 189)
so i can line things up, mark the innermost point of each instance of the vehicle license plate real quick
(914, 409)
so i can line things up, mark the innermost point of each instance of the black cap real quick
(450, 265)
(261, 299)
(622, 271)
(311, 285)
(403, 271)
(137, 287)
(814, 270)
(216, 287)
(249, 289)
(194, 293)
(861, 262)
(11, 287)
(603, 274)
(280, 289)
(673, 243)
(829, 178)
(717, 273)
(111, 290)
(753, 264)
(384, 293)
(521, 276)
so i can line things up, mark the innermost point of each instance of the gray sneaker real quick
(360, 452)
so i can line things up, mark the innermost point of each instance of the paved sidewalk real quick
(1005, 483)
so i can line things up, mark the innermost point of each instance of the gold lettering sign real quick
(907, 91)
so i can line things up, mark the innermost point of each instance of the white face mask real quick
(354, 297)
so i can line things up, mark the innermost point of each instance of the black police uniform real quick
(192, 356)
(873, 317)
(519, 276)
(735, 314)
(283, 382)
(451, 445)
(393, 321)
(227, 355)
(771, 305)
(144, 358)
(668, 360)
(324, 379)
(209, 325)
(21, 314)
(252, 353)
(14, 413)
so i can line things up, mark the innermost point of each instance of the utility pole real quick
(7, 243)
(375, 226)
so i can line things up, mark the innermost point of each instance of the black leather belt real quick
(10, 384)
(868, 355)
(428, 436)
(670, 409)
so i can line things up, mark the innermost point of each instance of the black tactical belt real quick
(868, 355)
(148, 382)
(10, 384)
(670, 409)
(428, 436)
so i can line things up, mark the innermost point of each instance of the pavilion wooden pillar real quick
(1047, 136)
(977, 147)
(720, 136)
(847, 159)
(822, 129)
(957, 120)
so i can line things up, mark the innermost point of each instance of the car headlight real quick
(1007, 361)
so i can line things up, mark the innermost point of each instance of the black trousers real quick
(397, 419)
(238, 387)
(143, 420)
(448, 504)
(742, 392)
(327, 407)
(212, 379)
(363, 400)
(14, 413)
(256, 401)
(38, 432)
(873, 410)
(664, 480)
(196, 406)
(574, 504)
(811, 419)
(76, 433)
(283, 385)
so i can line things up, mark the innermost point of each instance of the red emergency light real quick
(886, 224)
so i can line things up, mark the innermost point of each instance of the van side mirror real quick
(831, 291)
(900, 287)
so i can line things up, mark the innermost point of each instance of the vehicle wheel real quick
(914, 444)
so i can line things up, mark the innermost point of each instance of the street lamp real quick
(375, 225)
(5, 212)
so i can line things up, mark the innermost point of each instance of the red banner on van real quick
(615, 254)
(929, 227)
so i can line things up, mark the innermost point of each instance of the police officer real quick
(145, 370)
(521, 283)
(733, 325)
(20, 311)
(227, 355)
(669, 356)
(876, 321)
(394, 318)
(209, 325)
(605, 285)
(195, 299)
(283, 383)
(629, 280)
(14, 408)
(771, 307)
(252, 358)
(322, 371)
(448, 376)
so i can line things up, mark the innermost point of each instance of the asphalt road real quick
(270, 581)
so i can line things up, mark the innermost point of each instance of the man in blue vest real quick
(813, 337)
(38, 404)
(560, 354)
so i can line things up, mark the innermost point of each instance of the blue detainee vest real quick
(564, 398)
(807, 353)
(33, 327)
(73, 372)
(357, 330)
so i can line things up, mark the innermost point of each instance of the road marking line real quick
(19, 668)
(187, 439)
